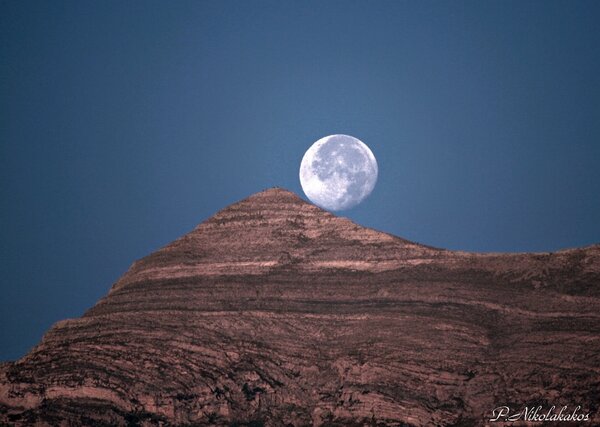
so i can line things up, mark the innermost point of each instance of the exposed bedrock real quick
(274, 312)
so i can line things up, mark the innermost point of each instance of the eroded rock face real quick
(275, 312)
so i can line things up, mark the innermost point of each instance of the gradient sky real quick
(123, 124)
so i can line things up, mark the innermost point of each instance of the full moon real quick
(338, 172)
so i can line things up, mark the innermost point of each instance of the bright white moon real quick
(338, 172)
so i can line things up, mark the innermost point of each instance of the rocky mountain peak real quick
(275, 312)
(273, 229)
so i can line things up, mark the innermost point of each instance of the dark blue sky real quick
(123, 124)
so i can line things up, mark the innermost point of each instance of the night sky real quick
(123, 124)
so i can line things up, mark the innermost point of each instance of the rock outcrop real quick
(274, 312)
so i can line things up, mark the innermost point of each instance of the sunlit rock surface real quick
(274, 312)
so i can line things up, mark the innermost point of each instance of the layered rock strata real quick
(274, 312)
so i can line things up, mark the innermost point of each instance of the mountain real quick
(274, 312)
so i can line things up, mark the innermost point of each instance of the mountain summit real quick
(271, 230)
(275, 312)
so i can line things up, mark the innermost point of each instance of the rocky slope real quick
(275, 312)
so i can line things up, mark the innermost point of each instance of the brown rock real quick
(275, 312)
